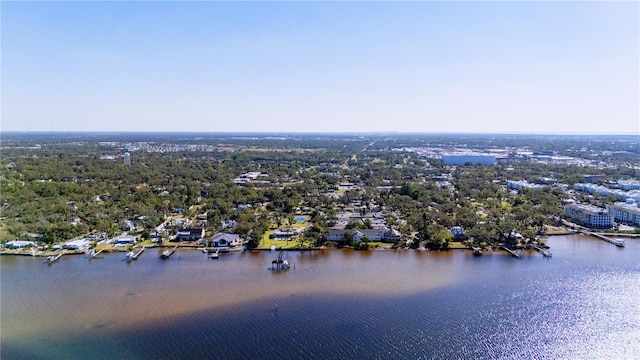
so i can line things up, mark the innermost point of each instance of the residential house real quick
(19, 244)
(226, 240)
(378, 234)
(190, 234)
(284, 234)
(123, 240)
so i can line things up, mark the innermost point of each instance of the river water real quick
(332, 304)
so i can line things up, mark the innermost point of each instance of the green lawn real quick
(379, 244)
(266, 242)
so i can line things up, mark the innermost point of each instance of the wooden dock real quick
(511, 252)
(53, 258)
(140, 251)
(168, 252)
(133, 255)
(616, 242)
(94, 254)
(544, 252)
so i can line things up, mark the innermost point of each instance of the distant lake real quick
(331, 304)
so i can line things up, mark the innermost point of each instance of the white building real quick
(626, 212)
(472, 158)
(629, 184)
(590, 216)
(603, 190)
(19, 244)
(519, 185)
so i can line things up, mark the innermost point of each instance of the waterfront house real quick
(123, 240)
(377, 234)
(226, 240)
(81, 245)
(19, 244)
(284, 234)
(190, 234)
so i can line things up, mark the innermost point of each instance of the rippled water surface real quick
(333, 304)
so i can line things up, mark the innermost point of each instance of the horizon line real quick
(304, 132)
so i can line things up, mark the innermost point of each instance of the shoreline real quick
(18, 252)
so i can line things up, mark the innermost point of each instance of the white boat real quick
(477, 251)
(165, 254)
(215, 255)
(130, 255)
(53, 258)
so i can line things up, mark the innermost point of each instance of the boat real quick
(130, 255)
(215, 254)
(165, 254)
(53, 258)
(279, 263)
(477, 251)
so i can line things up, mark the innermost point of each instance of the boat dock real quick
(134, 255)
(94, 254)
(616, 242)
(544, 252)
(53, 258)
(511, 252)
(168, 252)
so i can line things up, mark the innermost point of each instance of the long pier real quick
(513, 253)
(616, 242)
(545, 253)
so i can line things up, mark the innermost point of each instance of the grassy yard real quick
(457, 245)
(379, 244)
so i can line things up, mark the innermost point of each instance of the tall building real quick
(127, 159)
(626, 212)
(590, 216)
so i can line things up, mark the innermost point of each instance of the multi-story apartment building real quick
(626, 212)
(590, 216)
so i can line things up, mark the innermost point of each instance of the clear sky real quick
(541, 67)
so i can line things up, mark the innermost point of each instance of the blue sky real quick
(540, 67)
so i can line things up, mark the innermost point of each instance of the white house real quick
(378, 234)
(81, 244)
(123, 240)
(226, 240)
(19, 244)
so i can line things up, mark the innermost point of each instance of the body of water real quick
(331, 304)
